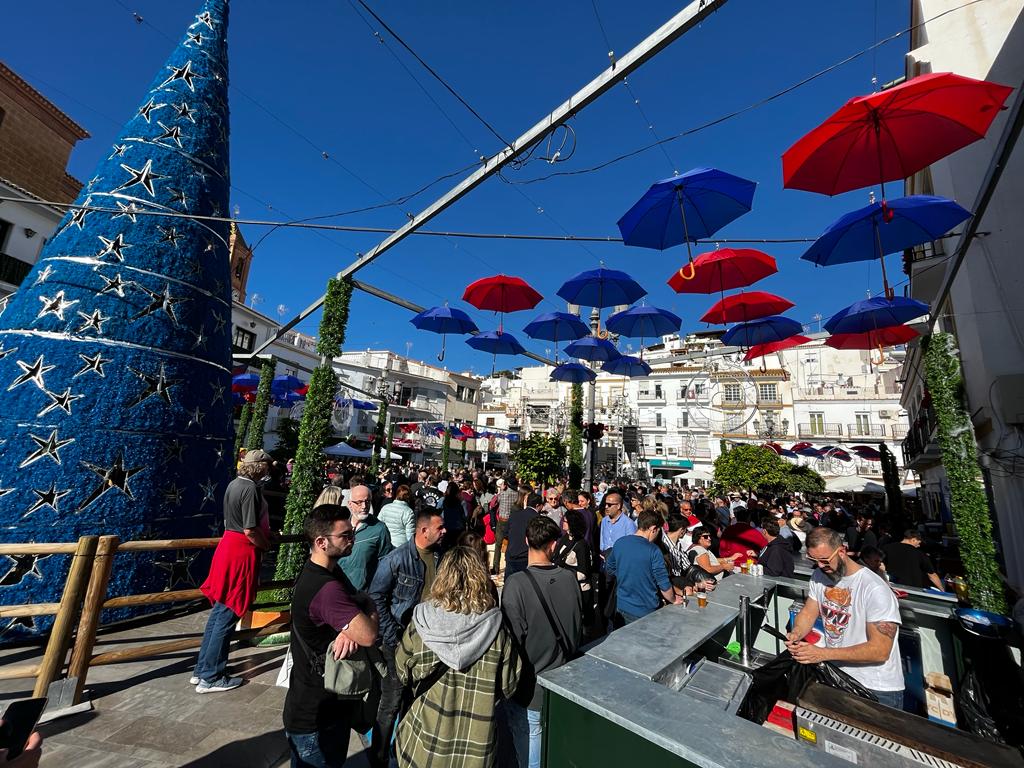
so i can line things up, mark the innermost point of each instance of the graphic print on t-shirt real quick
(836, 612)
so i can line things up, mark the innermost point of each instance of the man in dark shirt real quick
(777, 556)
(326, 617)
(517, 550)
(859, 535)
(906, 564)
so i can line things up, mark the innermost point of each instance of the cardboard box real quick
(940, 706)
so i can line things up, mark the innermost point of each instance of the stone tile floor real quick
(145, 714)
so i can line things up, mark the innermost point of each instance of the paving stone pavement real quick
(146, 715)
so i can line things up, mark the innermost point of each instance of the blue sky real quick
(309, 77)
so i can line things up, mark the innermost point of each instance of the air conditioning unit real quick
(885, 414)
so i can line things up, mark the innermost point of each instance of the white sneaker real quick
(223, 684)
(194, 680)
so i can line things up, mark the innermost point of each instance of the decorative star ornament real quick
(200, 339)
(93, 364)
(114, 284)
(196, 417)
(184, 111)
(172, 494)
(21, 567)
(185, 74)
(33, 373)
(93, 322)
(218, 322)
(114, 477)
(78, 215)
(173, 133)
(209, 489)
(144, 176)
(126, 210)
(119, 150)
(62, 401)
(48, 447)
(49, 497)
(179, 571)
(160, 302)
(3, 303)
(173, 450)
(55, 306)
(114, 248)
(147, 109)
(203, 18)
(178, 196)
(170, 235)
(155, 386)
(43, 275)
(218, 392)
(5, 352)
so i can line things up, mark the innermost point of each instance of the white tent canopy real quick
(695, 474)
(853, 484)
(344, 449)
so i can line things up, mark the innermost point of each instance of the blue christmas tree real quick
(115, 354)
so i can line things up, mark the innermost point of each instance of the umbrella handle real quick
(693, 271)
(764, 367)
(440, 357)
(881, 356)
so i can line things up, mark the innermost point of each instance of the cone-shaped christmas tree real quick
(115, 354)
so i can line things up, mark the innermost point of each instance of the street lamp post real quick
(770, 431)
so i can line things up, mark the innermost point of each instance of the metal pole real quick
(588, 461)
(692, 15)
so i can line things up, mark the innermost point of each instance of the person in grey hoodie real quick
(398, 517)
(459, 662)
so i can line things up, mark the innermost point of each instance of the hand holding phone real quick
(19, 745)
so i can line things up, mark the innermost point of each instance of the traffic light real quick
(594, 432)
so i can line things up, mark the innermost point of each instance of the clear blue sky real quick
(316, 66)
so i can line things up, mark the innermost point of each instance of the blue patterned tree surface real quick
(115, 354)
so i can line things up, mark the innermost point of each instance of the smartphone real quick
(20, 720)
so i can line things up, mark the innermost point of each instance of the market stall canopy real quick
(346, 450)
(853, 484)
(695, 474)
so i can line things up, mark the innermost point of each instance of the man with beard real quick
(372, 540)
(861, 618)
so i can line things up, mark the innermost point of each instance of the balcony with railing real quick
(689, 395)
(919, 447)
(651, 395)
(876, 431)
(13, 270)
(899, 431)
(819, 430)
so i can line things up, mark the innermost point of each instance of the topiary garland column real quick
(378, 437)
(254, 435)
(446, 444)
(576, 437)
(243, 427)
(315, 427)
(968, 502)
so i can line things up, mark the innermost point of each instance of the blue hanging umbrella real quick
(496, 342)
(285, 383)
(556, 327)
(574, 373)
(600, 288)
(875, 313)
(627, 365)
(593, 348)
(686, 208)
(359, 405)
(643, 322)
(444, 320)
(813, 453)
(245, 382)
(788, 453)
(287, 399)
(887, 227)
(764, 331)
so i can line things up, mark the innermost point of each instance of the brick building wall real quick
(36, 140)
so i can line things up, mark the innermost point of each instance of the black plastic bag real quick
(974, 709)
(784, 678)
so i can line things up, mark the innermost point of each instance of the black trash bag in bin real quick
(785, 678)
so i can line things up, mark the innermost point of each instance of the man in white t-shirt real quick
(861, 618)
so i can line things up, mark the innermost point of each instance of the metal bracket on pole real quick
(692, 15)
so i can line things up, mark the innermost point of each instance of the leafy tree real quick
(802, 480)
(254, 436)
(540, 457)
(750, 467)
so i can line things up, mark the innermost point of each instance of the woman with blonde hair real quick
(332, 494)
(458, 660)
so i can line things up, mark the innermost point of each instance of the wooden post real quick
(60, 635)
(85, 638)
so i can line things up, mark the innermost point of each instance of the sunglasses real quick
(349, 535)
(826, 560)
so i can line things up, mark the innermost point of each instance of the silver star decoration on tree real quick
(46, 446)
(93, 322)
(33, 373)
(155, 386)
(119, 150)
(146, 110)
(113, 477)
(126, 210)
(184, 111)
(93, 182)
(218, 452)
(218, 392)
(92, 364)
(3, 303)
(43, 275)
(196, 417)
(160, 302)
(173, 133)
(196, 268)
(55, 306)
(185, 74)
(203, 18)
(194, 37)
(209, 489)
(200, 174)
(22, 566)
(179, 571)
(170, 235)
(5, 352)
(178, 196)
(173, 450)
(144, 176)
(114, 285)
(62, 401)
(115, 247)
(78, 215)
(218, 322)
(47, 498)
(172, 494)
(200, 339)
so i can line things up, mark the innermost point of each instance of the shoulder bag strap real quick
(563, 646)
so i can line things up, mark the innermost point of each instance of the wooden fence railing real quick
(85, 598)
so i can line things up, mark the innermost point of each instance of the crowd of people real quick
(467, 585)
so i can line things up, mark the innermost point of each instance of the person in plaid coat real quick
(459, 633)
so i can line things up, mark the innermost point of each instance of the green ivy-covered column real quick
(576, 437)
(379, 437)
(254, 436)
(446, 445)
(968, 502)
(391, 439)
(315, 427)
(243, 426)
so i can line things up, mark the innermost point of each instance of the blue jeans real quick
(526, 733)
(326, 748)
(892, 699)
(213, 653)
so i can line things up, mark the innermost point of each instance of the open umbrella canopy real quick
(764, 331)
(285, 383)
(359, 405)
(810, 452)
(880, 228)
(600, 288)
(875, 313)
(444, 320)
(722, 270)
(741, 307)
(853, 484)
(643, 322)
(760, 350)
(787, 453)
(867, 453)
(574, 373)
(496, 342)
(287, 399)
(245, 382)
(686, 208)
(893, 134)
(557, 326)
(593, 348)
(883, 337)
(627, 365)
(802, 444)
(501, 293)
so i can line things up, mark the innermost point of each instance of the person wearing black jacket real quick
(777, 556)
(573, 552)
(516, 553)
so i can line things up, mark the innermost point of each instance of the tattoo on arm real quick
(888, 628)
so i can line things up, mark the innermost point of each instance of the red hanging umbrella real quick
(501, 293)
(893, 134)
(881, 338)
(723, 269)
(760, 350)
(801, 446)
(741, 307)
